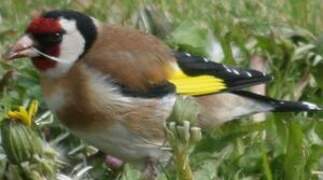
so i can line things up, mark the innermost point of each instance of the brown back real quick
(133, 58)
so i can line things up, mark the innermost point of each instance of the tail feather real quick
(219, 108)
(280, 105)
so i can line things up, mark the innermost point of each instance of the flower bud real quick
(19, 141)
(196, 134)
(181, 133)
(186, 125)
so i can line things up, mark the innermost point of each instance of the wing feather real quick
(196, 75)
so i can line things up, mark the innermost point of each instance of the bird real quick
(114, 87)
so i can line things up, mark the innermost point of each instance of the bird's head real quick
(55, 40)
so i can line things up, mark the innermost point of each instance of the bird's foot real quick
(150, 171)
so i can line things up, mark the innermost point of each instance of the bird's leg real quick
(115, 165)
(113, 162)
(150, 170)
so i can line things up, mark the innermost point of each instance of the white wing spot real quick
(205, 59)
(311, 105)
(226, 68)
(229, 70)
(188, 54)
(236, 72)
(249, 74)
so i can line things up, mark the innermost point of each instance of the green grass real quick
(285, 146)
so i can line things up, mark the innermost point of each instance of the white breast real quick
(117, 139)
(121, 143)
(56, 100)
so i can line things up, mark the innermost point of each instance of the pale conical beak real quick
(22, 48)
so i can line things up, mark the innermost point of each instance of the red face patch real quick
(44, 25)
(43, 63)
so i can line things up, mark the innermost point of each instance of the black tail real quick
(280, 105)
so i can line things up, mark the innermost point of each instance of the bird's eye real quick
(49, 38)
(54, 38)
(57, 37)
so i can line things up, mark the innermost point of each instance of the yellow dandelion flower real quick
(23, 115)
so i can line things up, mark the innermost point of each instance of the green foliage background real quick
(286, 33)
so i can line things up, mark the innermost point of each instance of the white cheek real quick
(73, 43)
(71, 47)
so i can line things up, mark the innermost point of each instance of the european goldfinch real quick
(115, 87)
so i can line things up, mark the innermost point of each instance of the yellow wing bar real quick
(196, 85)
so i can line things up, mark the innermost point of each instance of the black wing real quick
(200, 76)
